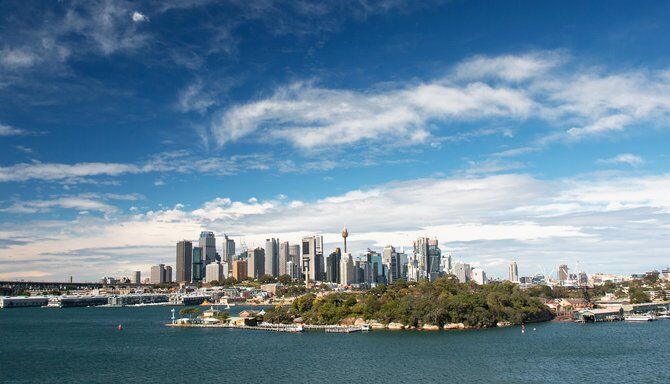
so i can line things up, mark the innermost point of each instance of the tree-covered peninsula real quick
(421, 304)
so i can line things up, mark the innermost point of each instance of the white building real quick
(347, 269)
(479, 276)
(213, 272)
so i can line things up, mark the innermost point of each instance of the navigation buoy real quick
(120, 328)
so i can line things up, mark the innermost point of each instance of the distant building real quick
(272, 257)
(312, 258)
(214, 272)
(198, 265)
(167, 274)
(428, 255)
(240, 270)
(333, 266)
(256, 263)
(184, 255)
(563, 272)
(296, 259)
(347, 269)
(462, 272)
(479, 276)
(208, 244)
(158, 274)
(228, 249)
(283, 258)
(137, 277)
(445, 264)
(390, 258)
(513, 272)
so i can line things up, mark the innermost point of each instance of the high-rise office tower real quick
(228, 249)
(137, 279)
(347, 269)
(312, 259)
(563, 272)
(333, 266)
(240, 270)
(158, 274)
(167, 274)
(214, 272)
(462, 272)
(445, 263)
(198, 265)
(272, 257)
(391, 259)
(208, 244)
(513, 272)
(256, 263)
(295, 257)
(283, 258)
(184, 255)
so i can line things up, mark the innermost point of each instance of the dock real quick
(343, 329)
(272, 328)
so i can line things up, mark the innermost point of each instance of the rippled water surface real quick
(82, 345)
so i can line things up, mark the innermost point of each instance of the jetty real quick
(264, 327)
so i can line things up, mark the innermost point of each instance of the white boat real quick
(663, 316)
(640, 317)
(365, 327)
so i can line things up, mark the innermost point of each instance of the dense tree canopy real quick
(415, 304)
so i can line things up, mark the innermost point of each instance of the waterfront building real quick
(208, 244)
(312, 257)
(198, 264)
(563, 273)
(137, 277)
(513, 272)
(158, 274)
(167, 274)
(272, 257)
(333, 266)
(479, 276)
(256, 263)
(214, 272)
(240, 269)
(283, 258)
(228, 249)
(347, 269)
(184, 254)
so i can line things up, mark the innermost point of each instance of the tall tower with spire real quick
(345, 234)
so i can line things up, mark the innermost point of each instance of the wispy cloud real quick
(623, 158)
(6, 130)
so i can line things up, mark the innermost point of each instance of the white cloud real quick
(508, 67)
(139, 17)
(17, 58)
(603, 222)
(308, 116)
(68, 202)
(624, 158)
(54, 171)
(6, 130)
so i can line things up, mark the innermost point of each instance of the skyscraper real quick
(198, 265)
(312, 259)
(158, 274)
(391, 259)
(167, 274)
(208, 244)
(272, 257)
(283, 258)
(256, 263)
(333, 266)
(347, 269)
(228, 249)
(563, 272)
(513, 272)
(137, 279)
(296, 260)
(214, 272)
(462, 272)
(184, 255)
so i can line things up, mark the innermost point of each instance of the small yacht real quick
(663, 315)
(640, 317)
(365, 327)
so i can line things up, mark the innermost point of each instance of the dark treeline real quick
(416, 304)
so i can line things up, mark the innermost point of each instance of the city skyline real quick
(126, 127)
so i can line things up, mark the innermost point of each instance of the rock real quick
(360, 321)
(395, 326)
(348, 321)
(298, 320)
(503, 324)
(377, 325)
(430, 327)
(452, 326)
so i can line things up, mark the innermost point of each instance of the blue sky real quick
(526, 131)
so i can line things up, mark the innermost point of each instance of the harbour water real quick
(83, 345)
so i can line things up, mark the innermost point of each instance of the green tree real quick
(190, 312)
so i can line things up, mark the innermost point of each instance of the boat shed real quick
(599, 315)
